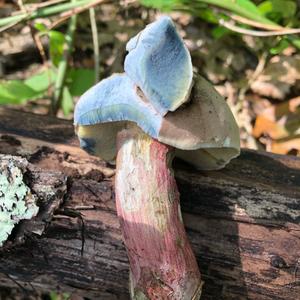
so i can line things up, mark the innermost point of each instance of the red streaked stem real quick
(162, 263)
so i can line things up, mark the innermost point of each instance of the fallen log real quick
(243, 221)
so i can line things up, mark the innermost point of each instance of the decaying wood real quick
(243, 222)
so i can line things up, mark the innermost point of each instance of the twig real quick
(17, 283)
(127, 2)
(260, 67)
(95, 43)
(238, 29)
(258, 70)
(38, 44)
(4, 28)
(18, 20)
(42, 12)
(63, 64)
(77, 10)
(44, 4)
(236, 8)
(36, 36)
(254, 23)
(262, 61)
(21, 5)
(58, 22)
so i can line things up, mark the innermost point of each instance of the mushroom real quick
(160, 64)
(207, 141)
(118, 120)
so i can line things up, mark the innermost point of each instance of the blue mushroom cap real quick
(116, 99)
(106, 108)
(160, 64)
(208, 140)
(157, 81)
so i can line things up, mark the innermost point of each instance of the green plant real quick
(57, 81)
(48, 10)
(245, 8)
(59, 296)
(275, 17)
(36, 86)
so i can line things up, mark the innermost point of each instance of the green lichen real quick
(16, 201)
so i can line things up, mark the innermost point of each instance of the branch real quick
(67, 14)
(63, 64)
(69, 9)
(95, 42)
(257, 24)
(238, 29)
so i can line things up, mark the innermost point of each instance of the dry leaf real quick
(264, 126)
(286, 146)
(279, 76)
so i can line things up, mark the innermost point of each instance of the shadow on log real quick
(243, 222)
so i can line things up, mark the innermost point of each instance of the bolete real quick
(129, 118)
(160, 64)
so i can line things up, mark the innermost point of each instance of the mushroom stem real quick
(162, 263)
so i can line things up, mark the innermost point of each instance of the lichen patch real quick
(16, 201)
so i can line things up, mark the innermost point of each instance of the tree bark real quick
(162, 262)
(243, 222)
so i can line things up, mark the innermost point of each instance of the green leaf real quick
(66, 296)
(265, 7)
(295, 42)
(208, 15)
(58, 296)
(40, 27)
(286, 8)
(219, 31)
(56, 45)
(41, 82)
(66, 101)
(245, 8)
(282, 45)
(53, 295)
(165, 5)
(15, 92)
(278, 9)
(80, 80)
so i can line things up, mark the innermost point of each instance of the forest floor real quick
(261, 87)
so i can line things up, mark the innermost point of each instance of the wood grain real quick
(243, 222)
